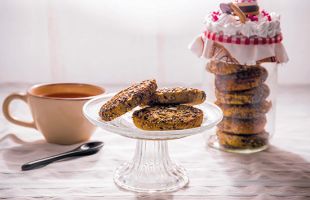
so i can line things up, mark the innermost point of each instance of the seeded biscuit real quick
(178, 95)
(251, 141)
(244, 80)
(127, 99)
(243, 126)
(245, 111)
(169, 117)
(223, 68)
(252, 96)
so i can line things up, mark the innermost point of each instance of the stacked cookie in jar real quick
(243, 45)
(241, 94)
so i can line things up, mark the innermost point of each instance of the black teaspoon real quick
(86, 149)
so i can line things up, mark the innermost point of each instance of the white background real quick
(118, 41)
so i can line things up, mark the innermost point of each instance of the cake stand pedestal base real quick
(151, 169)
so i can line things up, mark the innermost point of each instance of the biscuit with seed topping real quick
(244, 80)
(127, 100)
(243, 126)
(171, 117)
(223, 68)
(253, 96)
(177, 95)
(234, 141)
(246, 111)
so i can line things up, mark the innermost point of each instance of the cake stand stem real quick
(151, 169)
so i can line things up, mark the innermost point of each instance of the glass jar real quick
(247, 96)
(243, 50)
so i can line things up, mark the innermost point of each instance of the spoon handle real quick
(48, 160)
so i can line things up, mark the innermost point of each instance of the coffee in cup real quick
(57, 111)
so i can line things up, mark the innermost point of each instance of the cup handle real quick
(6, 111)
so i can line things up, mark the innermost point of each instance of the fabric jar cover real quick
(244, 50)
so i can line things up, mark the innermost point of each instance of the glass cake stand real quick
(151, 169)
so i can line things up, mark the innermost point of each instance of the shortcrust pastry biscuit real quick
(127, 99)
(169, 117)
(177, 95)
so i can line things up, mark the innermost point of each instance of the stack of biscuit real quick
(241, 93)
(162, 109)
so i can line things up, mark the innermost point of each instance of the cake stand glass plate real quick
(151, 169)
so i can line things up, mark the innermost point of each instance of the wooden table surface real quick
(281, 172)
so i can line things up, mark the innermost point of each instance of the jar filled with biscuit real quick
(243, 47)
